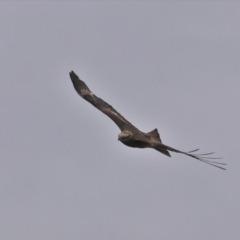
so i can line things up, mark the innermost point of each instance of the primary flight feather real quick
(130, 135)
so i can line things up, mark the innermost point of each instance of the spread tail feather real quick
(201, 157)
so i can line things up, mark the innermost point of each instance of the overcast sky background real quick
(174, 66)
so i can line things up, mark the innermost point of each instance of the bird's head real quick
(124, 136)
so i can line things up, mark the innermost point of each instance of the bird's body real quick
(137, 140)
(130, 135)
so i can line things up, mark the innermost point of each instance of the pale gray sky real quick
(174, 66)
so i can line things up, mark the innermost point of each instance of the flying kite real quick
(130, 135)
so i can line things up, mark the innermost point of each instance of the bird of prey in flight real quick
(130, 135)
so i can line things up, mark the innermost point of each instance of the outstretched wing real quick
(83, 90)
(201, 157)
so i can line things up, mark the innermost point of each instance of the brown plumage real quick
(130, 135)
